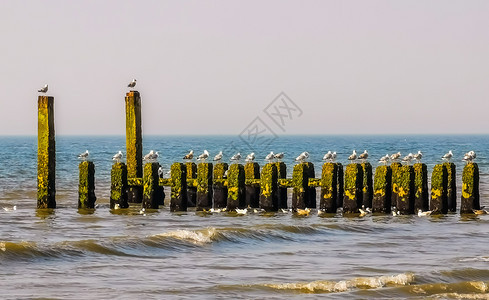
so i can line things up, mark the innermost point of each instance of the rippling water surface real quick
(125, 254)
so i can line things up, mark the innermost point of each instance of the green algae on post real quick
(220, 186)
(341, 185)
(118, 186)
(439, 182)
(191, 189)
(204, 186)
(268, 187)
(352, 199)
(178, 201)
(134, 144)
(252, 191)
(395, 167)
(151, 186)
(86, 185)
(46, 154)
(367, 187)
(236, 187)
(403, 189)
(451, 186)
(329, 188)
(381, 202)
(281, 191)
(301, 192)
(421, 198)
(470, 189)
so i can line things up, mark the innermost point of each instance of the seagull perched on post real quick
(353, 156)
(333, 156)
(149, 155)
(469, 156)
(384, 159)
(447, 156)
(43, 89)
(418, 156)
(302, 157)
(270, 156)
(250, 157)
(408, 158)
(395, 156)
(84, 156)
(363, 156)
(278, 156)
(218, 157)
(204, 155)
(236, 157)
(190, 155)
(132, 83)
(328, 156)
(117, 157)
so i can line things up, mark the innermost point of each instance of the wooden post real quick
(236, 187)
(329, 188)
(381, 202)
(311, 199)
(403, 188)
(470, 189)
(204, 186)
(281, 191)
(86, 186)
(300, 182)
(178, 201)
(220, 186)
(191, 190)
(451, 186)
(439, 183)
(46, 153)
(134, 144)
(341, 185)
(269, 187)
(252, 192)
(421, 199)
(352, 200)
(151, 185)
(395, 167)
(118, 186)
(367, 188)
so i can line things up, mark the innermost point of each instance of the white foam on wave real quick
(199, 237)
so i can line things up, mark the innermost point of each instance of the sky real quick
(216, 67)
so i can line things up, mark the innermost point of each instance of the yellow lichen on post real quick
(134, 143)
(46, 154)
(86, 186)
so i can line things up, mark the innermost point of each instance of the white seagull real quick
(395, 156)
(132, 83)
(43, 89)
(204, 155)
(469, 156)
(447, 156)
(270, 156)
(418, 156)
(328, 156)
(333, 156)
(117, 157)
(279, 155)
(190, 155)
(250, 157)
(353, 156)
(236, 157)
(302, 157)
(363, 156)
(154, 156)
(408, 158)
(218, 157)
(149, 155)
(241, 211)
(84, 155)
(422, 213)
(384, 159)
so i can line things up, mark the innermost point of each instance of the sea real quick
(156, 254)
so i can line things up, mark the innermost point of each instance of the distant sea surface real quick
(126, 254)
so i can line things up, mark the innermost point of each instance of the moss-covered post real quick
(395, 167)
(46, 153)
(329, 188)
(178, 201)
(236, 187)
(367, 188)
(403, 188)
(220, 188)
(281, 191)
(439, 183)
(86, 185)
(311, 199)
(301, 193)
(151, 185)
(451, 186)
(191, 190)
(252, 191)
(269, 188)
(352, 199)
(118, 186)
(134, 144)
(341, 185)
(470, 189)
(381, 202)
(204, 186)
(421, 199)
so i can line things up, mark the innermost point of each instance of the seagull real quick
(204, 155)
(218, 157)
(155, 156)
(469, 156)
(364, 155)
(284, 210)
(321, 212)
(84, 156)
(241, 211)
(408, 158)
(10, 208)
(333, 156)
(303, 212)
(190, 155)
(270, 156)
(279, 155)
(250, 157)
(236, 157)
(117, 157)
(353, 156)
(132, 83)
(149, 155)
(302, 157)
(480, 211)
(43, 89)
(447, 156)
(418, 156)
(384, 159)
(328, 156)
(363, 213)
(395, 156)
(422, 213)
(160, 172)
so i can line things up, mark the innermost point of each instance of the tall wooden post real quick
(134, 144)
(86, 185)
(46, 153)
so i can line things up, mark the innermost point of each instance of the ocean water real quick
(124, 254)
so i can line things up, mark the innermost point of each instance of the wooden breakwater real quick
(206, 185)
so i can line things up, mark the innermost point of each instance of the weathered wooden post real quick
(46, 153)
(134, 144)
(178, 201)
(341, 185)
(300, 182)
(403, 188)
(381, 202)
(281, 191)
(252, 191)
(204, 186)
(86, 185)
(220, 186)
(470, 189)
(191, 190)
(311, 199)
(439, 183)
(236, 187)
(367, 187)
(395, 167)
(421, 199)
(329, 188)
(352, 200)
(151, 186)
(451, 186)
(269, 188)
(118, 186)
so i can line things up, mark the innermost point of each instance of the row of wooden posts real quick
(205, 185)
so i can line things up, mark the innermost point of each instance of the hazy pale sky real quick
(212, 67)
